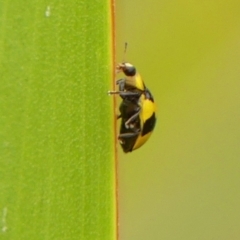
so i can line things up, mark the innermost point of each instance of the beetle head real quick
(127, 68)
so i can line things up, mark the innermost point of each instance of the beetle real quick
(137, 109)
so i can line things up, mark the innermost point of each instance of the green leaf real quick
(57, 173)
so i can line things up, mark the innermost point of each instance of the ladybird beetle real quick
(137, 109)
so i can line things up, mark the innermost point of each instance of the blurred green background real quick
(184, 182)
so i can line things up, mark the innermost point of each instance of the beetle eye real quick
(129, 69)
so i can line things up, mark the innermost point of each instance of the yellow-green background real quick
(185, 182)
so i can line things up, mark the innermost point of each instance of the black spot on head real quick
(129, 70)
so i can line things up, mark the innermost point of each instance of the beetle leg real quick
(131, 119)
(119, 116)
(121, 83)
(122, 93)
(128, 135)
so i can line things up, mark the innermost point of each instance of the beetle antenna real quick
(124, 52)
